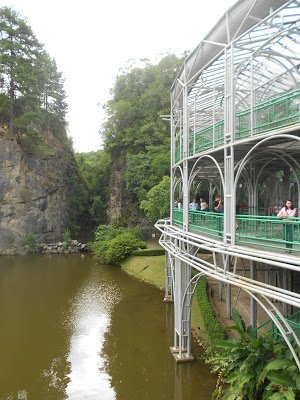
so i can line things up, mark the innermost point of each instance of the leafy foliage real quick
(254, 367)
(134, 129)
(30, 242)
(212, 326)
(112, 245)
(32, 96)
(94, 168)
(157, 203)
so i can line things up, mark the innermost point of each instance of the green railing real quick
(277, 112)
(264, 231)
(268, 231)
(177, 216)
(292, 320)
(207, 138)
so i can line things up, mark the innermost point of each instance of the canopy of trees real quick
(31, 88)
(135, 134)
(134, 128)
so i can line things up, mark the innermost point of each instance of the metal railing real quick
(276, 112)
(293, 321)
(253, 230)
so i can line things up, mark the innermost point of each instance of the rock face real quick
(121, 207)
(34, 192)
(117, 191)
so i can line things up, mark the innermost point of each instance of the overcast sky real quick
(92, 40)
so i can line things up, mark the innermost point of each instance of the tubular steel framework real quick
(235, 131)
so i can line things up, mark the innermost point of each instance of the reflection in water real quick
(137, 351)
(90, 319)
(73, 330)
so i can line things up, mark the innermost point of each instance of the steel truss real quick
(235, 119)
(182, 249)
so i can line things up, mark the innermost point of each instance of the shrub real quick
(114, 244)
(214, 329)
(30, 241)
(67, 236)
(121, 246)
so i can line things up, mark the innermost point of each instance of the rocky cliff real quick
(122, 208)
(34, 192)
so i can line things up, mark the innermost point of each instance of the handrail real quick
(254, 230)
(276, 112)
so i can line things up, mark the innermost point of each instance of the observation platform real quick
(267, 233)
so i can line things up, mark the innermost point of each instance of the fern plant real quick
(252, 367)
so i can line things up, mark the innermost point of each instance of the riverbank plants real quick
(212, 327)
(252, 367)
(112, 244)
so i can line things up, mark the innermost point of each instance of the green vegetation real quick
(30, 242)
(212, 327)
(254, 367)
(131, 172)
(67, 237)
(33, 108)
(157, 203)
(32, 98)
(114, 244)
(134, 129)
(94, 167)
(148, 268)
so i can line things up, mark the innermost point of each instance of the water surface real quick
(72, 329)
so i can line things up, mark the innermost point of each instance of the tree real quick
(134, 132)
(94, 167)
(31, 88)
(157, 204)
(19, 55)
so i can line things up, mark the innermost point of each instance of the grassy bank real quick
(150, 269)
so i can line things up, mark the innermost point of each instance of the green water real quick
(71, 329)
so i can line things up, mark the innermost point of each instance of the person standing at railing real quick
(178, 203)
(194, 206)
(203, 205)
(219, 208)
(286, 213)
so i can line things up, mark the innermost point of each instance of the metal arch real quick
(287, 70)
(287, 159)
(179, 180)
(245, 160)
(278, 325)
(172, 274)
(215, 162)
(252, 287)
(194, 280)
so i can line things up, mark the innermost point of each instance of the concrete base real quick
(183, 358)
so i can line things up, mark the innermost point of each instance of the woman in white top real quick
(287, 212)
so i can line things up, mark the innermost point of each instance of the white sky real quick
(91, 40)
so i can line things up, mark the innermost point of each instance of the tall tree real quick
(31, 88)
(19, 59)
